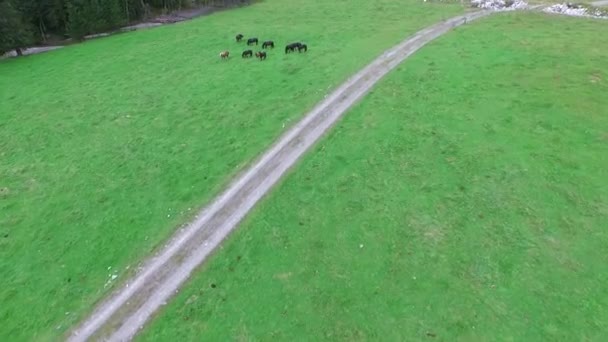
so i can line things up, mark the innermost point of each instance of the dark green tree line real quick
(14, 31)
(24, 22)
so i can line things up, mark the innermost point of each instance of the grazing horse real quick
(268, 43)
(302, 47)
(239, 37)
(250, 41)
(292, 47)
(247, 53)
(261, 55)
(224, 54)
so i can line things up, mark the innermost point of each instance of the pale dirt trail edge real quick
(124, 312)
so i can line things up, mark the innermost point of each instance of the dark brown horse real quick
(268, 43)
(292, 47)
(247, 53)
(239, 37)
(250, 41)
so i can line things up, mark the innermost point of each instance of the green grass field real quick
(107, 146)
(465, 199)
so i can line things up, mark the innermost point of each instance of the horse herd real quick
(267, 44)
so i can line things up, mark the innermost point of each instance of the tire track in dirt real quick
(123, 314)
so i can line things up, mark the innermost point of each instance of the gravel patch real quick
(576, 11)
(500, 5)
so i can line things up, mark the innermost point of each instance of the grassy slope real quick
(465, 198)
(105, 146)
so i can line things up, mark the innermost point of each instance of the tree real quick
(90, 16)
(79, 18)
(113, 14)
(41, 14)
(14, 32)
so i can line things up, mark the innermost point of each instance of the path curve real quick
(124, 313)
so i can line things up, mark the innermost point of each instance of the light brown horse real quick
(224, 54)
(261, 55)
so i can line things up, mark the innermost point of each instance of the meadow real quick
(107, 147)
(464, 199)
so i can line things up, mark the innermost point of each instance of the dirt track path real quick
(121, 316)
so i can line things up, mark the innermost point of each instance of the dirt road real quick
(121, 316)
